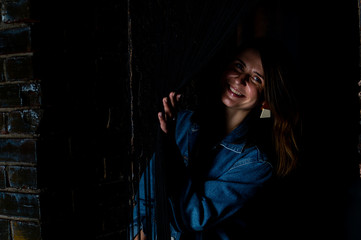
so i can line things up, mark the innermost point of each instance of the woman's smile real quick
(243, 82)
(234, 92)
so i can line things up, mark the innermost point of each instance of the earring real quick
(265, 113)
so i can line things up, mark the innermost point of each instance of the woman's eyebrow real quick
(241, 62)
(259, 75)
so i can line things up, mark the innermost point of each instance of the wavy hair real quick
(280, 97)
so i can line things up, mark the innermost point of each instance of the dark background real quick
(97, 121)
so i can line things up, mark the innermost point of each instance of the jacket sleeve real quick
(196, 209)
(143, 214)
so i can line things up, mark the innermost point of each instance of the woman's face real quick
(243, 82)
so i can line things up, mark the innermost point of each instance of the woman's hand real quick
(140, 236)
(170, 105)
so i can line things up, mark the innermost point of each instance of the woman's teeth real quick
(235, 91)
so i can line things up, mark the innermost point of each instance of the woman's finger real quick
(167, 109)
(162, 122)
(172, 99)
(175, 99)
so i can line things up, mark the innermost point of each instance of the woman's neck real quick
(233, 118)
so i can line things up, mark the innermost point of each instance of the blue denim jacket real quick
(219, 209)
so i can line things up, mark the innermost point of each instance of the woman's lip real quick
(234, 92)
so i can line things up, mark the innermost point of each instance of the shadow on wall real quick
(84, 133)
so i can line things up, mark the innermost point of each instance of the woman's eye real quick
(257, 79)
(239, 66)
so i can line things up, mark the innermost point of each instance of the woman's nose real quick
(242, 78)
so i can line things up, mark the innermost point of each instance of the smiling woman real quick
(257, 78)
(242, 83)
(218, 162)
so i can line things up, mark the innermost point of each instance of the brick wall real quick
(359, 141)
(64, 120)
(20, 115)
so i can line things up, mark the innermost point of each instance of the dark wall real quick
(329, 63)
(85, 131)
(318, 196)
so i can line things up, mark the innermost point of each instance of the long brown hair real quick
(280, 96)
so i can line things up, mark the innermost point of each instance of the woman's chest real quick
(213, 164)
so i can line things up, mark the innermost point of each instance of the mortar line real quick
(18, 54)
(7, 26)
(19, 136)
(24, 191)
(18, 164)
(24, 219)
(20, 82)
(11, 109)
